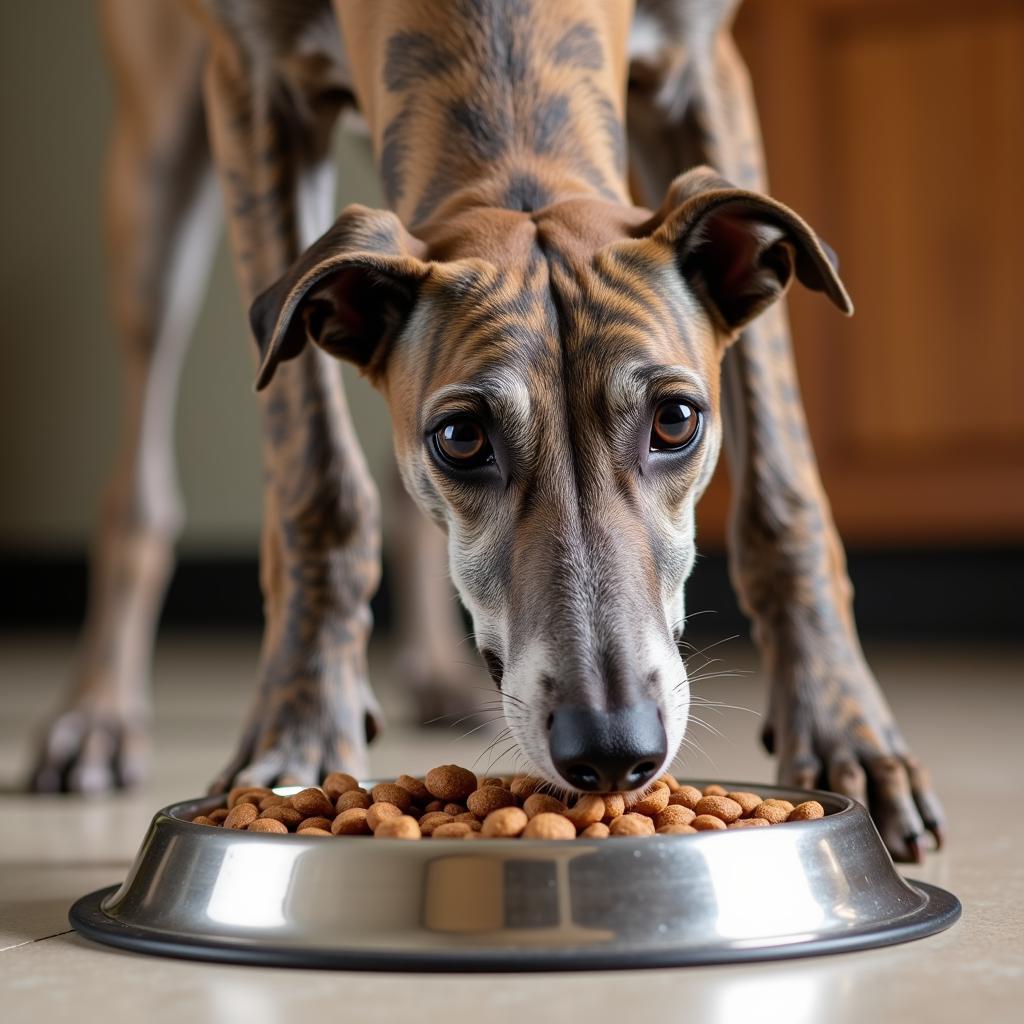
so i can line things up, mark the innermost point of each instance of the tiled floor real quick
(963, 711)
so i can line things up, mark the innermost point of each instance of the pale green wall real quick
(58, 372)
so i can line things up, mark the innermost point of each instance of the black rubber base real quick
(942, 910)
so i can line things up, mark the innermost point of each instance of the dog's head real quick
(553, 379)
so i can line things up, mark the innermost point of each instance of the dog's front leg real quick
(314, 711)
(828, 722)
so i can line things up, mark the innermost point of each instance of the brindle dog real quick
(550, 353)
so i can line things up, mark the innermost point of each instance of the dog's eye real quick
(675, 426)
(463, 443)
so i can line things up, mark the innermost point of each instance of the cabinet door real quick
(896, 127)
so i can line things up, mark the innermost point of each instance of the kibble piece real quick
(351, 823)
(486, 799)
(431, 820)
(748, 801)
(671, 781)
(313, 832)
(267, 825)
(674, 814)
(493, 780)
(688, 796)
(202, 819)
(596, 830)
(675, 830)
(750, 823)
(353, 798)
(337, 783)
(614, 805)
(543, 803)
(807, 811)
(720, 806)
(653, 802)
(546, 825)
(311, 803)
(240, 816)
(415, 787)
(452, 830)
(588, 810)
(271, 801)
(714, 790)
(631, 824)
(454, 809)
(450, 783)
(389, 793)
(772, 813)
(378, 812)
(239, 791)
(707, 823)
(288, 816)
(217, 816)
(504, 823)
(784, 804)
(434, 805)
(317, 822)
(525, 785)
(253, 798)
(402, 827)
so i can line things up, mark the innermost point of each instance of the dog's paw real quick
(842, 738)
(300, 732)
(86, 750)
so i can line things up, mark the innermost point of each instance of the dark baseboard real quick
(965, 594)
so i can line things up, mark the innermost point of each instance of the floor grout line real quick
(29, 942)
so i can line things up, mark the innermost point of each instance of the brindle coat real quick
(516, 282)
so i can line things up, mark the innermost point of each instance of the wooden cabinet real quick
(896, 127)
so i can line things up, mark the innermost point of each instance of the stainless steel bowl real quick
(791, 890)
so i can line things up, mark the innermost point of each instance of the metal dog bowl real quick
(791, 890)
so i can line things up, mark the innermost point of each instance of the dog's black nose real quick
(603, 751)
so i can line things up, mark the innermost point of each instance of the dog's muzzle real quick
(605, 751)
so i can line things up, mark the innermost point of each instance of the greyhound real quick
(562, 366)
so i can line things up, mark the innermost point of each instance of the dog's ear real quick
(350, 292)
(739, 250)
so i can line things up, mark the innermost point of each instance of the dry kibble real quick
(353, 798)
(771, 813)
(504, 823)
(543, 803)
(311, 803)
(720, 806)
(288, 816)
(631, 824)
(351, 823)
(614, 805)
(674, 814)
(486, 799)
(402, 827)
(688, 796)
(748, 801)
(431, 820)
(807, 811)
(452, 830)
(268, 825)
(450, 783)
(453, 803)
(653, 802)
(338, 783)
(415, 788)
(588, 810)
(547, 825)
(389, 793)
(240, 816)
(707, 823)
(317, 822)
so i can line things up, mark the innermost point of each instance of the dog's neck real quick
(503, 103)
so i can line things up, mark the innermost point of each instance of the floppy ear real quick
(350, 292)
(739, 250)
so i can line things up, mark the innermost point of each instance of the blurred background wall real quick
(893, 126)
